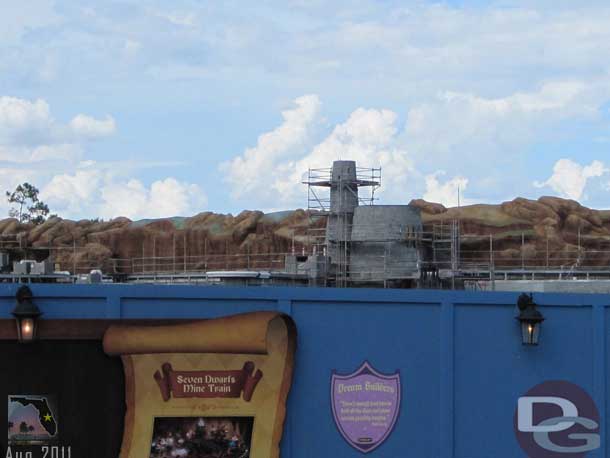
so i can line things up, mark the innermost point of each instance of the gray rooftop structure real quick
(363, 243)
(383, 243)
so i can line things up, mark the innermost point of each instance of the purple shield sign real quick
(365, 406)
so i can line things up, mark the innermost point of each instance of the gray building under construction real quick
(362, 243)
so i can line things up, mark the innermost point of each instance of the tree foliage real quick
(28, 208)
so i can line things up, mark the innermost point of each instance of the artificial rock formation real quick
(547, 230)
(205, 241)
(550, 230)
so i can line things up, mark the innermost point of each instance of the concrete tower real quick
(343, 201)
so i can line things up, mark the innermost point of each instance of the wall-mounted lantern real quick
(530, 319)
(26, 314)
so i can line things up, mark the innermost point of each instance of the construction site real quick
(344, 238)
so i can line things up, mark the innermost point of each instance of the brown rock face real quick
(205, 241)
(547, 231)
(428, 207)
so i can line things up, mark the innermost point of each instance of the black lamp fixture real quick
(530, 319)
(26, 314)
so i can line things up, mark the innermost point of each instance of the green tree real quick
(28, 207)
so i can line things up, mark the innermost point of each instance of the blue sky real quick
(150, 109)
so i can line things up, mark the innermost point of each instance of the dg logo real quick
(557, 419)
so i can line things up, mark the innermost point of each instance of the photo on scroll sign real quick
(201, 437)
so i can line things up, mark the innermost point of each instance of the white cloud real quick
(570, 179)
(60, 152)
(71, 195)
(29, 133)
(402, 49)
(446, 193)
(255, 169)
(456, 131)
(89, 127)
(466, 124)
(272, 171)
(164, 198)
(94, 190)
(368, 137)
(19, 117)
(486, 47)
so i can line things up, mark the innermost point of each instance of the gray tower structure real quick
(338, 204)
(384, 244)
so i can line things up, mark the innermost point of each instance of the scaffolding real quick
(323, 178)
(12, 241)
(467, 258)
(332, 195)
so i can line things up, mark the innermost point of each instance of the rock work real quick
(205, 241)
(548, 231)
(533, 232)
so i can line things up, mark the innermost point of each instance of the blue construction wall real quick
(459, 355)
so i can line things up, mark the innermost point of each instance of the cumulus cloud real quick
(93, 190)
(34, 145)
(454, 132)
(569, 178)
(22, 119)
(272, 171)
(88, 127)
(368, 137)
(257, 166)
(467, 124)
(446, 193)
(29, 132)
(70, 195)
(168, 197)
(486, 137)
